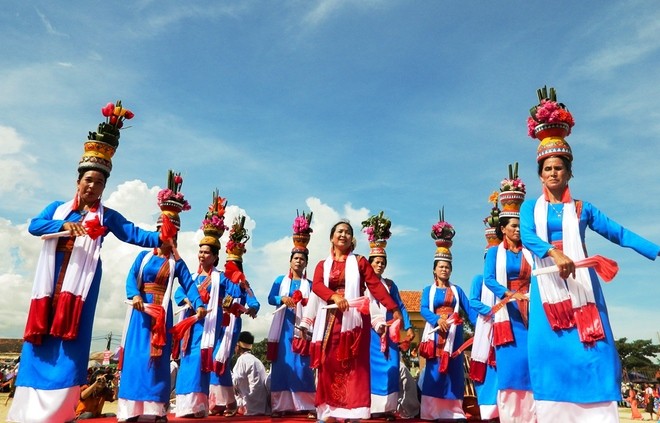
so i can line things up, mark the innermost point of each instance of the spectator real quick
(632, 399)
(408, 401)
(93, 396)
(648, 401)
(249, 379)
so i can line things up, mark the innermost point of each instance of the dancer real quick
(385, 354)
(569, 325)
(66, 286)
(292, 379)
(340, 342)
(196, 349)
(482, 359)
(443, 383)
(507, 272)
(238, 295)
(144, 388)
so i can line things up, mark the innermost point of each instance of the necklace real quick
(559, 213)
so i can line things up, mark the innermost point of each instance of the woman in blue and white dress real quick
(385, 353)
(54, 366)
(507, 273)
(144, 388)
(443, 383)
(292, 384)
(575, 369)
(196, 349)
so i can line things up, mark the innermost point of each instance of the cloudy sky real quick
(344, 108)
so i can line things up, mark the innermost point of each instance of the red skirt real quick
(345, 384)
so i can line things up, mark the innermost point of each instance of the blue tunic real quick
(290, 371)
(561, 367)
(385, 370)
(144, 378)
(57, 364)
(191, 378)
(450, 385)
(235, 291)
(486, 391)
(512, 360)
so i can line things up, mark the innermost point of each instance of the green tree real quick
(259, 351)
(638, 355)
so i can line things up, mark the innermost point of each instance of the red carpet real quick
(245, 419)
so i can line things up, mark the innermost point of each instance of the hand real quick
(289, 302)
(252, 312)
(517, 296)
(563, 262)
(138, 304)
(443, 325)
(75, 229)
(305, 334)
(342, 303)
(410, 334)
(201, 313)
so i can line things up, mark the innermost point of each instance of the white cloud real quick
(49, 27)
(624, 42)
(326, 9)
(10, 142)
(137, 202)
(16, 166)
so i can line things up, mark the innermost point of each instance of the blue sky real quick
(342, 107)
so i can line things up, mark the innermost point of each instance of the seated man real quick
(249, 379)
(94, 395)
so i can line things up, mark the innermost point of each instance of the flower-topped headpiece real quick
(171, 198)
(443, 233)
(238, 236)
(213, 224)
(302, 232)
(550, 122)
(491, 221)
(377, 228)
(171, 201)
(101, 145)
(512, 193)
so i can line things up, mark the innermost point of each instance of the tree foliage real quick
(639, 355)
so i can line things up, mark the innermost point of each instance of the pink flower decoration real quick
(108, 110)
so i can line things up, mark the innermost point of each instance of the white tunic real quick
(249, 379)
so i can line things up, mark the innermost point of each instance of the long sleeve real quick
(274, 295)
(596, 221)
(252, 302)
(239, 376)
(465, 305)
(127, 232)
(179, 295)
(475, 296)
(319, 287)
(43, 223)
(617, 234)
(185, 280)
(528, 236)
(427, 314)
(132, 278)
(396, 296)
(490, 271)
(374, 284)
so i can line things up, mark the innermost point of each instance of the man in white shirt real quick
(249, 379)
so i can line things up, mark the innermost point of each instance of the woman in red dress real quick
(340, 344)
